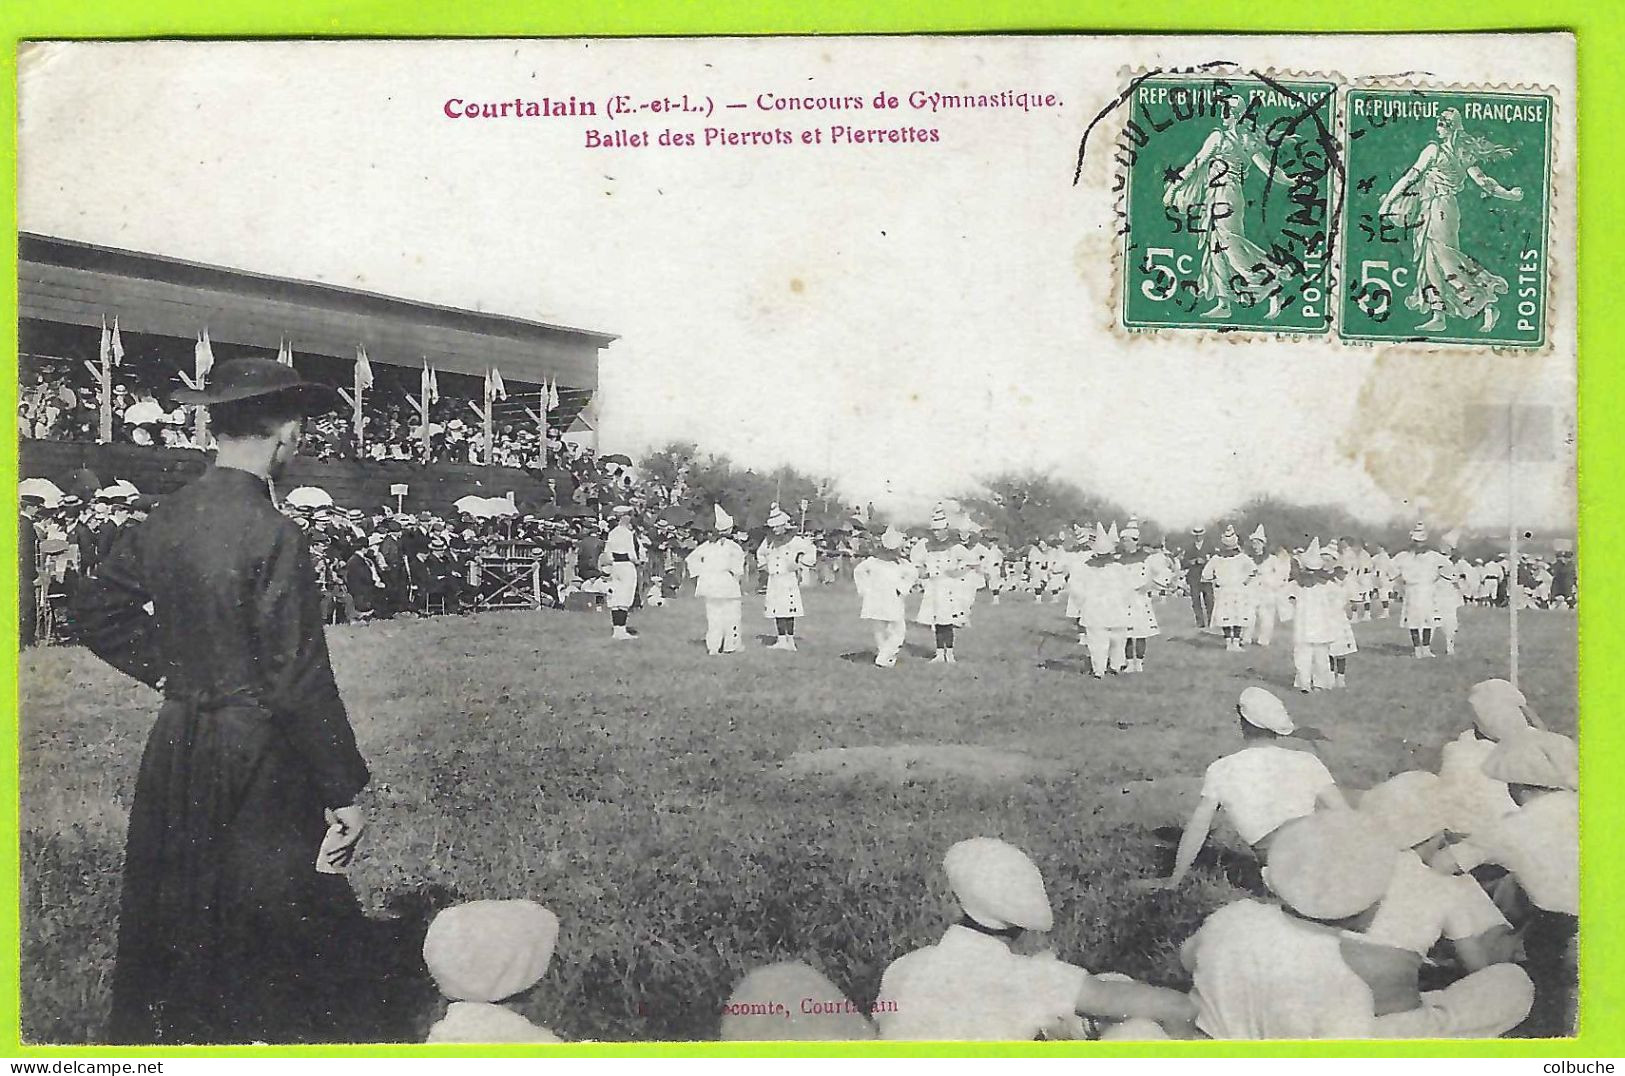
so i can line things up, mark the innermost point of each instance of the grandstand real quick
(68, 288)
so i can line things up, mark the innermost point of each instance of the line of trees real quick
(1019, 507)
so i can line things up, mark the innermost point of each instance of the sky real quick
(905, 318)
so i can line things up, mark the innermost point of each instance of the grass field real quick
(667, 805)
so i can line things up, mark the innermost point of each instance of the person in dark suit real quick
(28, 577)
(1194, 558)
(228, 930)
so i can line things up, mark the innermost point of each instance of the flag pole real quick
(106, 379)
(1512, 546)
(542, 422)
(358, 422)
(428, 451)
(485, 419)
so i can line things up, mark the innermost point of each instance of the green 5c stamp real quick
(1227, 196)
(1447, 216)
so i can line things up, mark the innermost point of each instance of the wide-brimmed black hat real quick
(247, 379)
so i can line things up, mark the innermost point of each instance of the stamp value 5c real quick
(1228, 192)
(1446, 216)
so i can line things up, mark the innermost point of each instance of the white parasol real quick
(309, 497)
(43, 488)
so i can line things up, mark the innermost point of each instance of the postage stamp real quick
(1228, 203)
(1447, 216)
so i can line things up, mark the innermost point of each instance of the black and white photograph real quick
(1002, 538)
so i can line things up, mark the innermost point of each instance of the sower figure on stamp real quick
(227, 930)
(1233, 268)
(1424, 202)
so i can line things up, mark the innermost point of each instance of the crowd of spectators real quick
(380, 563)
(60, 401)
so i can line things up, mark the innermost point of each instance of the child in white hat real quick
(784, 555)
(1452, 588)
(1230, 573)
(622, 551)
(1263, 786)
(1144, 571)
(1474, 798)
(883, 578)
(483, 956)
(1105, 605)
(971, 985)
(1306, 968)
(1539, 841)
(1322, 638)
(942, 562)
(1423, 906)
(1423, 571)
(717, 565)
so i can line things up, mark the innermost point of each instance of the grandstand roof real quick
(69, 282)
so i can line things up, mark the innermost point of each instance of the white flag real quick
(494, 388)
(104, 351)
(202, 357)
(428, 386)
(363, 369)
(118, 344)
(284, 353)
(553, 395)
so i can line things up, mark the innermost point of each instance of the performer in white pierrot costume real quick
(1230, 572)
(1423, 571)
(1060, 566)
(992, 558)
(1038, 555)
(1343, 644)
(1073, 555)
(1319, 619)
(973, 579)
(942, 562)
(1144, 570)
(1450, 589)
(883, 578)
(622, 550)
(1363, 568)
(1267, 587)
(784, 554)
(1105, 608)
(717, 566)
(1383, 574)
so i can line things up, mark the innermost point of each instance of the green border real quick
(1326, 332)
(1552, 106)
(1601, 115)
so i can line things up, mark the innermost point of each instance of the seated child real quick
(483, 954)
